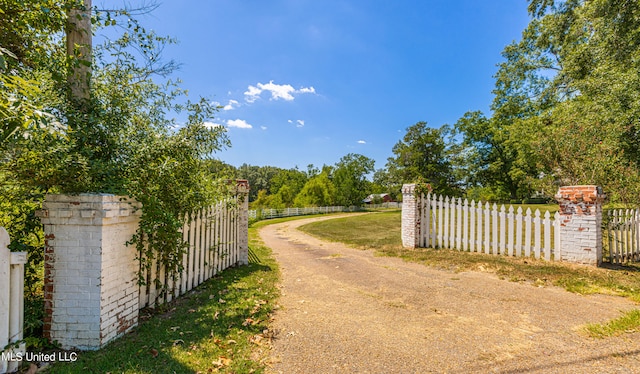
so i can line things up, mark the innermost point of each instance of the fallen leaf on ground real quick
(222, 361)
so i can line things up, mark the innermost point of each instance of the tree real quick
(286, 184)
(259, 178)
(318, 191)
(485, 158)
(350, 179)
(422, 154)
(574, 85)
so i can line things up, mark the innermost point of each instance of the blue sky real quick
(309, 81)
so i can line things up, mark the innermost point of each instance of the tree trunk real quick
(79, 53)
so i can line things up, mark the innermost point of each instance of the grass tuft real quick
(628, 323)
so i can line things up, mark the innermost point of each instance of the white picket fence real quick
(476, 227)
(11, 305)
(291, 212)
(214, 236)
(622, 235)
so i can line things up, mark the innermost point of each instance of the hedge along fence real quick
(92, 289)
(574, 234)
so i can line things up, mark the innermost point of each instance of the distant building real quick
(378, 198)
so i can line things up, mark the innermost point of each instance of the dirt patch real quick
(346, 310)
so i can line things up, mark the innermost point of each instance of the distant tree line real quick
(345, 183)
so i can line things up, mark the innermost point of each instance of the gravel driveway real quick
(344, 310)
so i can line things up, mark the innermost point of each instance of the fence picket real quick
(502, 240)
(547, 236)
(440, 222)
(510, 230)
(11, 304)
(488, 215)
(472, 226)
(479, 226)
(519, 232)
(536, 234)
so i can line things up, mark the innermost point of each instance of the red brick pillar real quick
(580, 224)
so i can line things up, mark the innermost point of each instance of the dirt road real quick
(345, 310)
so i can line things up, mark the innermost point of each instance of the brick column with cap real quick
(410, 217)
(91, 289)
(242, 194)
(580, 224)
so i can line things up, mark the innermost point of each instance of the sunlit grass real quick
(629, 322)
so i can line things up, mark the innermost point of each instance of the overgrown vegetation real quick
(221, 326)
(123, 136)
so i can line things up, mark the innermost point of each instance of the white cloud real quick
(300, 123)
(252, 94)
(361, 142)
(239, 123)
(263, 127)
(290, 121)
(278, 91)
(307, 90)
(233, 104)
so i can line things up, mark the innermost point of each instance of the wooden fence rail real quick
(11, 305)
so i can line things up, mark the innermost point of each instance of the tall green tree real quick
(318, 191)
(486, 158)
(259, 178)
(422, 155)
(286, 185)
(350, 179)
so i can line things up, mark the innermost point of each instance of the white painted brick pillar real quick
(91, 290)
(410, 216)
(580, 224)
(242, 191)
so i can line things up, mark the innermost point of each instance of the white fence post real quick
(11, 304)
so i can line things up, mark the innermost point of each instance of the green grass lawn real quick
(218, 327)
